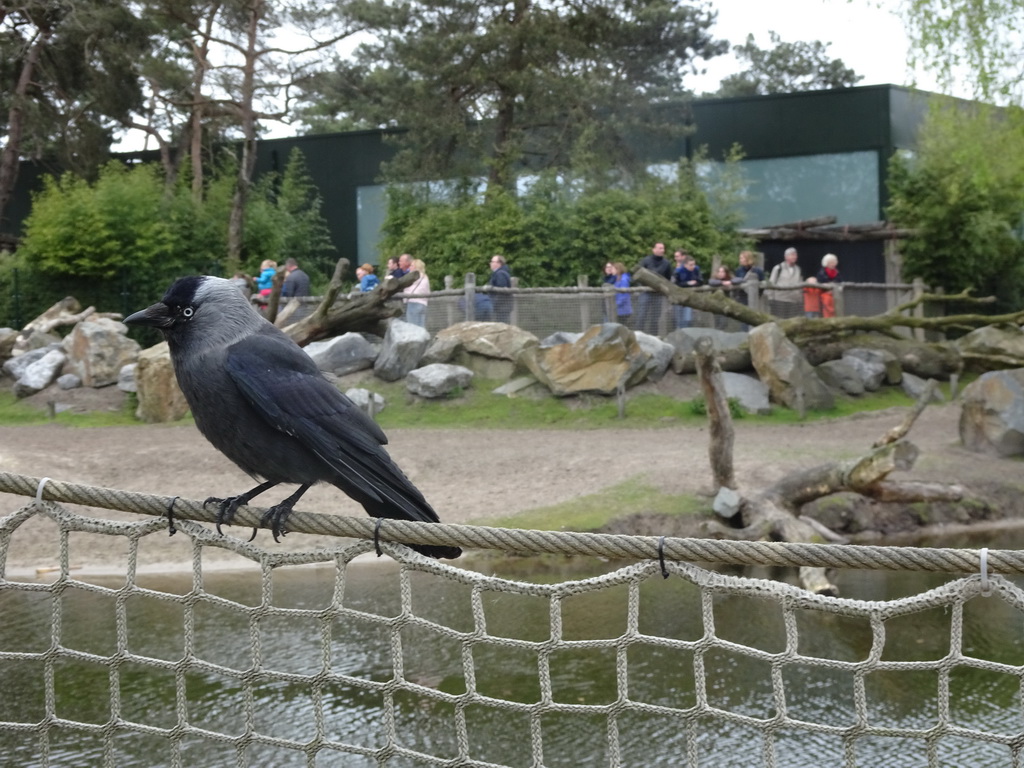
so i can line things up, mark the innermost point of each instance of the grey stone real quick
(40, 374)
(370, 403)
(17, 365)
(343, 354)
(751, 393)
(69, 381)
(661, 353)
(871, 372)
(992, 418)
(98, 349)
(517, 386)
(438, 380)
(999, 345)
(783, 368)
(727, 502)
(731, 348)
(404, 345)
(914, 386)
(126, 378)
(893, 369)
(842, 375)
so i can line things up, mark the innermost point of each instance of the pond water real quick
(364, 648)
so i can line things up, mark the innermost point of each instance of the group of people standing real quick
(415, 297)
(784, 298)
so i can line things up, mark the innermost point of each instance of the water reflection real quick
(298, 668)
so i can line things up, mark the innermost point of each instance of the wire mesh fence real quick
(544, 311)
(312, 658)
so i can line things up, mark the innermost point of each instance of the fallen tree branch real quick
(359, 312)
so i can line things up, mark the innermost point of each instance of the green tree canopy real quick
(962, 194)
(785, 68)
(978, 43)
(497, 86)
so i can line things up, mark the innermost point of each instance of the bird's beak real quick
(156, 316)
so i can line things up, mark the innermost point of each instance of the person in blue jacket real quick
(623, 301)
(367, 280)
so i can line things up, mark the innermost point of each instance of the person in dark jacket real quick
(687, 275)
(501, 277)
(650, 305)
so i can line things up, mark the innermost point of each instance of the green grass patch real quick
(14, 412)
(595, 510)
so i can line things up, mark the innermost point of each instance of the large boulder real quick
(731, 348)
(841, 375)
(883, 357)
(404, 345)
(438, 380)
(992, 418)
(930, 361)
(343, 354)
(97, 350)
(993, 347)
(871, 372)
(751, 393)
(160, 398)
(16, 366)
(604, 358)
(490, 350)
(40, 374)
(782, 367)
(661, 353)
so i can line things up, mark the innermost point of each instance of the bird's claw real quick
(276, 516)
(226, 511)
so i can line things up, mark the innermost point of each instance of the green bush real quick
(559, 228)
(119, 242)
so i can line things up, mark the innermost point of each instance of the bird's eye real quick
(187, 312)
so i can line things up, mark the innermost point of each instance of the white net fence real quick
(316, 658)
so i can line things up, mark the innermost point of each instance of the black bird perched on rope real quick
(264, 404)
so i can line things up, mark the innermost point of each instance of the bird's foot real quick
(226, 509)
(276, 516)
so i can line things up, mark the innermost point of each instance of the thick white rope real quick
(614, 546)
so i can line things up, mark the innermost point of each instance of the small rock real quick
(126, 378)
(404, 345)
(727, 502)
(69, 381)
(438, 379)
(368, 402)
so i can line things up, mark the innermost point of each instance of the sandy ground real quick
(468, 475)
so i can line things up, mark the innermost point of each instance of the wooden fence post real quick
(470, 288)
(918, 292)
(513, 318)
(449, 283)
(582, 281)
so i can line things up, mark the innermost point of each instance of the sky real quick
(866, 35)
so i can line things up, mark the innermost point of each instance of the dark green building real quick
(807, 155)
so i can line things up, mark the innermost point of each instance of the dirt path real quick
(474, 475)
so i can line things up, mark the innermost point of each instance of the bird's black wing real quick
(286, 387)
